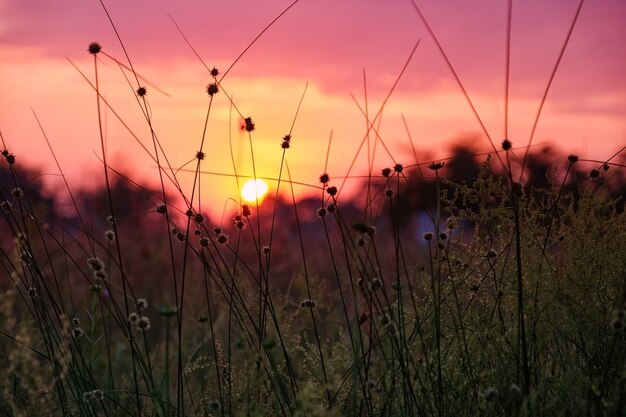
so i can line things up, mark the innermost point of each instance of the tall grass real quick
(511, 302)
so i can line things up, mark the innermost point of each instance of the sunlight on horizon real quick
(254, 190)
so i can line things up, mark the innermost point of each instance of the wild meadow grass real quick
(511, 302)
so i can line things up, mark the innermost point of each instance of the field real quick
(470, 285)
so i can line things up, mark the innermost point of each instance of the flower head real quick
(141, 304)
(572, 158)
(109, 235)
(77, 332)
(435, 166)
(141, 91)
(143, 323)
(94, 48)
(308, 303)
(95, 263)
(249, 125)
(212, 89)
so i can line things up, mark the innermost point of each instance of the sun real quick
(253, 190)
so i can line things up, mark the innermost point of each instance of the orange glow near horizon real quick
(350, 63)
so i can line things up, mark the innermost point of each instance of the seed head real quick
(161, 209)
(9, 157)
(285, 144)
(75, 321)
(95, 395)
(386, 172)
(141, 304)
(308, 303)
(506, 144)
(26, 258)
(212, 89)
(435, 166)
(143, 323)
(490, 395)
(32, 292)
(249, 125)
(324, 178)
(200, 155)
(321, 212)
(101, 274)
(266, 250)
(214, 72)
(94, 48)
(141, 91)
(202, 318)
(331, 207)
(198, 218)
(376, 284)
(398, 168)
(572, 158)
(133, 317)
(443, 236)
(332, 191)
(245, 210)
(605, 166)
(222, 239)
(109, 235)
(6, 206)
(181, 237)
(441, 245)
(95, 263)
(17, 193)
(217, 230)
(594, 174)
(77, 332)
(204, 242)
(389, 192)
(428, 236)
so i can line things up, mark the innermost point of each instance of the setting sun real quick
(253, 190)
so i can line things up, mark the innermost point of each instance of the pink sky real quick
(327, 43)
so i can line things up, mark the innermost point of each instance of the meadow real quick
(507, 298)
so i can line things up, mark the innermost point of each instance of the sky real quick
(347, 54)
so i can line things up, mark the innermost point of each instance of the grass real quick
(511, 302)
